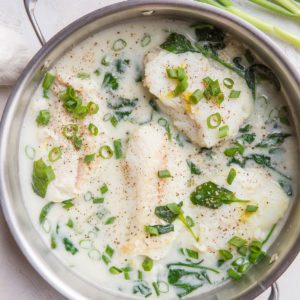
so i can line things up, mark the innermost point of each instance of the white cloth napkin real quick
(14, 55)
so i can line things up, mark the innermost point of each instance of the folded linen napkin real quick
(14, 55)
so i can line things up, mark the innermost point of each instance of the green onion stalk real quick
(287, 7)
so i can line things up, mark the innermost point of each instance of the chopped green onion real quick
(119, 45)
(88, 196)
(238, 262)
(181, 87)
(164, 123)
(237, 242)
(54, 154)
(92, 108)
(147, 264)
(172, 73)
(231, 152)
(115, 270)
(105, 152)
(42, 175)
(228, 82)
(214, 121)
(30, 152)
(93, 129)
(225, 254)
(244, 268)
(234, 94)
(231, 176)
(164, 174)
(105, 259)
(94, 254)
(70, 130)
(196, 96)
(70, 223)
(140, 275)
(251, 208)
(43, 117)
(98, 200)
(110, 220)
(80, 112)
(242, 250)
(68, 203)
(192, 254)
(156, 289)
(212, 90)
(118, 148)
(109, 251)
(46, 85)
(223, 131)
(114, 121)
(155, 230)
(83, 75)
(53, 242)
(105, 61)
(89, 158)
(104, 189)
(44, 212)
(146, 40)
(234, 274)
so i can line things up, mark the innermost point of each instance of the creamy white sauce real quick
(89, 234)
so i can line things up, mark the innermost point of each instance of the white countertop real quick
(18, 280)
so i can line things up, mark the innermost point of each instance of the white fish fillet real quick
(149, 151)
(192, 119)
(217, 226)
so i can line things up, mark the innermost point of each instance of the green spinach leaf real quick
(213, 196)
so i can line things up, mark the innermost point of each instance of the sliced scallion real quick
(225, 254)
(231, 176)
(147, 264)
(70, 223)
(237, 242)
(234, 94)
(92, 107)
(164, 174)
(228, 82)
(196, 96)
(104, 189)
(43, 117)
(214, 121)
(146, 40)
(118, 148)
(93, 129)
(251, 208)
(115, 270)
(70, 130)
(54, 154)
(86, 244)
(119, 45)
(234, 274)
(30, 152)
(89, 158)
(46, 85)
(164, 123)
(105, 152)
(105, 61)
(110, 221)
(223, 131)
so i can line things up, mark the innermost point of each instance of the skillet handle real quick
(274, 295)
(29, 7)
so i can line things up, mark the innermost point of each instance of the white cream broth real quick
(134, 187)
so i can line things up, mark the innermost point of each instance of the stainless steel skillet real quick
(287, 244)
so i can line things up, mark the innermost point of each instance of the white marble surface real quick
(18, 280)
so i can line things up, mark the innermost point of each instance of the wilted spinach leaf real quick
(213, 196)
(187, 277)
(177, 43)
(122, 106)
(195, 170)
(110, 81)
(273, 140)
